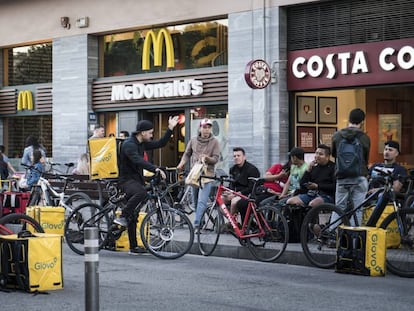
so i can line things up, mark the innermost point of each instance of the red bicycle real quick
(264, 230)
(15, 223)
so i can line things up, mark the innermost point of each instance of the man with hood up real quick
(355, 187)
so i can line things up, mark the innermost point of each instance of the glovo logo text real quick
(53, 226)
(157, 41)
(25, 100)
(102, 158)
(45, 265)
(374, 254)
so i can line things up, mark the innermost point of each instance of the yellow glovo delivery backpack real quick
(104, 157)
(31, 262)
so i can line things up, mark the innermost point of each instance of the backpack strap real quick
(22, 272)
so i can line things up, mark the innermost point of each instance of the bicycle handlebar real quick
(54, 176)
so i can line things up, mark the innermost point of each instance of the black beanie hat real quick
(144, 125)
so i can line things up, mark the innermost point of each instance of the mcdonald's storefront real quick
(175, 73)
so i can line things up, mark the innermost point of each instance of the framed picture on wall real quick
(306, 138)
(325, 135)
(327, 110)
(389, 126)
(306, 109)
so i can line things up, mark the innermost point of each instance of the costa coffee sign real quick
(352, 65)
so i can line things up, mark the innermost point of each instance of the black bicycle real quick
(164, 231)
(319, 229)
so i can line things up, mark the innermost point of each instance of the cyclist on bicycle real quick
(131, 176)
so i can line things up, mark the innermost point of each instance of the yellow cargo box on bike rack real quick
(393, 233)
(50, 218)
(122, 244)
(361, 250)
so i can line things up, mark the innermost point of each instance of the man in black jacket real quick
(318, 181)
(131, 175)
(240, 172)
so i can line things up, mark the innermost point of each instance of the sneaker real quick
(137, 250)
(121, 221)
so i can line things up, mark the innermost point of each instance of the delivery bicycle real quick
(319, 229)
(264, 230)
(164, 231)
(43, 194)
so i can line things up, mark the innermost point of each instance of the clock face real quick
(257, 74)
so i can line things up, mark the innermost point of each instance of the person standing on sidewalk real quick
(205, 148)
(359, 183)
(131, 176)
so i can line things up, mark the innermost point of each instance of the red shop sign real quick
(352, 65)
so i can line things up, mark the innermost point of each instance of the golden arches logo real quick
(157, 42)
(25, 100)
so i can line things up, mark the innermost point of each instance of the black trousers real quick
(135, 194)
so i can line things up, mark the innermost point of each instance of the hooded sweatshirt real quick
(350, 132)
(198, 146)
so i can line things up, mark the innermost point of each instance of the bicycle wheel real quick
(85, 215)
(167, 233)
(209, 231)
(187, 200)
(318, 234)
(400, 260)
(15, 223)
(272, 244)
(74, 200)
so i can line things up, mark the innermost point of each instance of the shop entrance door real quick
(170, 155)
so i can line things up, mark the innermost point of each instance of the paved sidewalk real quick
(229, 246)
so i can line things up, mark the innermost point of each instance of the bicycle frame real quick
(239, 233)
(47, 189)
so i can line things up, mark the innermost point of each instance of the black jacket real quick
(241, 176)
(323, 176)
(132, 163)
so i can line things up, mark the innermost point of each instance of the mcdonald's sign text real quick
(157, 42)
(187, 87)
(25, 100)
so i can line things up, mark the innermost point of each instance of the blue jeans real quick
(357, 189)
(201, 196)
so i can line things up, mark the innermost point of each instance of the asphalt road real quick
(214, 283)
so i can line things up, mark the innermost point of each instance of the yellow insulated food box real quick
(31, 263)
(122, 244)
(393, 233)
(361, 250)
(52, 219)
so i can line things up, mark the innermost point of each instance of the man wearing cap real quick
(202, 148)
(391, 152)
(131, 176)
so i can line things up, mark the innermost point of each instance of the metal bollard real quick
(91, 269)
